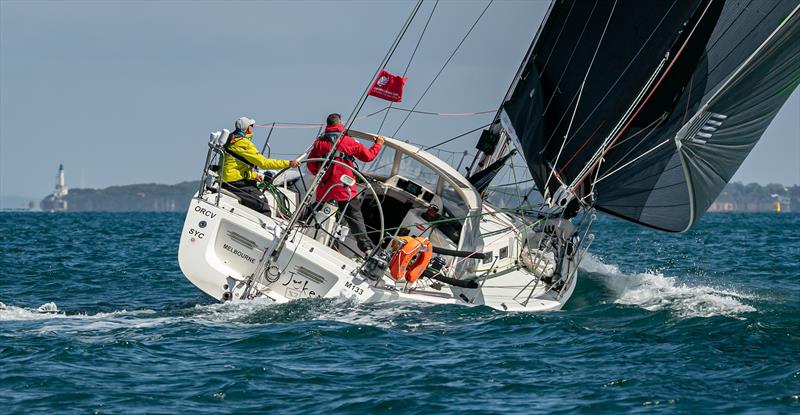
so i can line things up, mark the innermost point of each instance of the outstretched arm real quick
(250, 153)
(362, 153)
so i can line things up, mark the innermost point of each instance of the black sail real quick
(651, 106)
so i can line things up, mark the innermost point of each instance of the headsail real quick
(652, 106)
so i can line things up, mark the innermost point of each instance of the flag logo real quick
(388, 86)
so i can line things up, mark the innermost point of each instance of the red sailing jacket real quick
(332, 179)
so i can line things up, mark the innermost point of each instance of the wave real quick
(654, 291)
(406, 316)
(403, 315)
(45, 311)
(651, 291)
(55, 320)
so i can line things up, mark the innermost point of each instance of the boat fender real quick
(411, 259)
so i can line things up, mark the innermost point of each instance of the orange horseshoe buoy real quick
(411, 259)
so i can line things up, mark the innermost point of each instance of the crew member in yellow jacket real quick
(241, 158)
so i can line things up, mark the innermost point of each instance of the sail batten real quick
(652, 108)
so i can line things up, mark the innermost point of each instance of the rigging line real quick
(715, 90)
(616, 81)
(707, 74)
(443, 66)
(558, 124)
(300, 125)
(636, 134)
(405, 71)
(527, 195)
(445, 114)
(596, 174)
(520, 74)
(585, 142)
(456, 137)
(307, 125)
(377, 112)
(560, 32)
(572, 54)
(269, 124)
(363, 99)
(742, 38)
(631, 108)
(580, 93)
(606, 148)
(640, 179)
(422, 35)
(267, 258)
(373, 230)
(519, 194)
(640, 142)
(497, 211)
(511, 184)
(443, 150)
(494, 191)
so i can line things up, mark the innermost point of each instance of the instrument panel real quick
(414, 189)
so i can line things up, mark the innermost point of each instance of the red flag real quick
(388, 87)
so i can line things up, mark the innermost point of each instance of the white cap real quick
(243, 123)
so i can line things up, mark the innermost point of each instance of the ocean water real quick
(96, 317)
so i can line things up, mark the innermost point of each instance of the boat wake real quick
(654, 291)
(651, 291)
(405, 316)
(45, 311)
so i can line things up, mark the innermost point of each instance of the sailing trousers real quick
(355, 220)
(250, 194)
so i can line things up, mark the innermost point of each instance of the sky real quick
(126, 92)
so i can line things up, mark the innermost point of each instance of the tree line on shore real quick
(736, 197)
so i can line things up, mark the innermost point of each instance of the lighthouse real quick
(57, 201)
(61, 188)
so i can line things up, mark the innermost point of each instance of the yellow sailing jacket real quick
(234, 170)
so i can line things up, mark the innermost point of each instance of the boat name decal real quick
(356, 289)
(239, 253)
(195, 232)
(298, 288)
(203, 211)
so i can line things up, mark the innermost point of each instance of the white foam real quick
(342, 310)
(655, 291)
(228, 312)
(55, 320)
(45, 311)
(405, 315)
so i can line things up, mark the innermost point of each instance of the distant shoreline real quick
(152, 197)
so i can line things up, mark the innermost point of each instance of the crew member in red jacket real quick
(331, 187)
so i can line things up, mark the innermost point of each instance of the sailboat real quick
(640, 110)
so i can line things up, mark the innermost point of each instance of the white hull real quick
(222, 245)
(486, 257)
